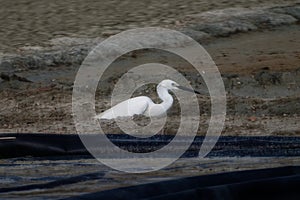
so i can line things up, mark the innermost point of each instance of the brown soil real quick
(270, 108)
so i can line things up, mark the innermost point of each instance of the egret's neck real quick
(165, 96)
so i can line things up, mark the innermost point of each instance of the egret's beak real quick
(188, 89)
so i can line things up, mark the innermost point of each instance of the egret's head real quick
(172, 85)
(169, 84)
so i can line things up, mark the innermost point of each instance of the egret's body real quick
(143, 105)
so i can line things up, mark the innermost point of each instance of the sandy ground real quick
(30, 22)
(260, 71)
(260, 68)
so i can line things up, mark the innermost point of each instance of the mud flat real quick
(256, 50)
(30, 23)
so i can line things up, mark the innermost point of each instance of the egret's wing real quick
(130, 107)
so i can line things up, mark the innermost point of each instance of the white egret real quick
(143, 105)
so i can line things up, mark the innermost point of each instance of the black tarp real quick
(278, 183)
(38, 145)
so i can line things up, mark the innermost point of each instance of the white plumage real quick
(143, 105)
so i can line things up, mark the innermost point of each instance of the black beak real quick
(188, 89)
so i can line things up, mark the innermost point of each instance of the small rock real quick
(252, 119)
(6, 76)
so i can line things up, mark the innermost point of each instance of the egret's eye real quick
(173, 84)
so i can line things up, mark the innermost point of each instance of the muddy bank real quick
(262, 84)
(204, 28)
(259, 66)
(30, 23)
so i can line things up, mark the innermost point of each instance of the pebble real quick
(252, 119)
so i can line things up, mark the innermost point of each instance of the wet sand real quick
(30, 22)
(249, 62)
